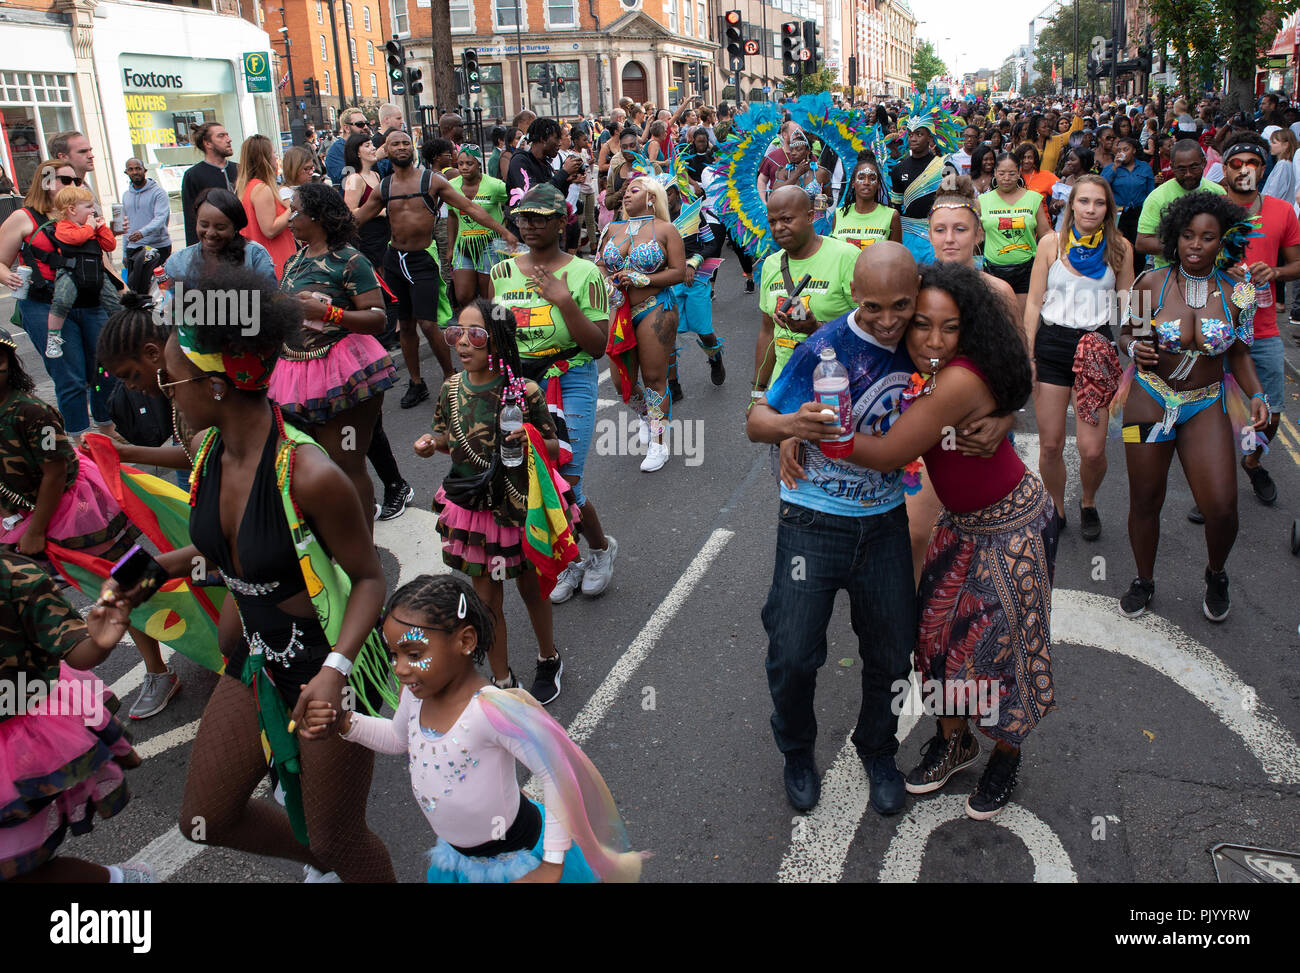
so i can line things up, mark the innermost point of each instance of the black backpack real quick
(84, 262)
(142, 419)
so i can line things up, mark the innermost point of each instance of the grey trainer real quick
(569, 581)
(600, 569)
(159, 688)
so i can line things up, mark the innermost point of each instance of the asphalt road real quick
(1172, 733)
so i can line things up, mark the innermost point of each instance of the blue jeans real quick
(77, 375)
(817, 554)
(579, 388)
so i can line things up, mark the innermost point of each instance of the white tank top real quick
(1077, 302)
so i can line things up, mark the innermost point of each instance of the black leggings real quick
(746, 261)
(381, 456)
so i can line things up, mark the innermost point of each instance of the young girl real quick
(464, 737)
(83, 237)
(485, 542)
(48, 493)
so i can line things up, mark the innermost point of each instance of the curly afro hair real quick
(989, 335)
(324, 206)
(239, 310)
(1180, 213)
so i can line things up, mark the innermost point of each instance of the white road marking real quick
(903, 859)
(171, 851)
(1078, 619)
(135, 675)
(412, 539)
(602, 377)
(165, 741)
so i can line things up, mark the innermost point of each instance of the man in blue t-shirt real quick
(843, 527)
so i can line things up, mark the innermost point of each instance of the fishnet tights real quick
(226, 766)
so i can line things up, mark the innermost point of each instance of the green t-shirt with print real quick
(541, 332)
(1010, 229)
(491, 195)
(1164, 194)
(826, 296)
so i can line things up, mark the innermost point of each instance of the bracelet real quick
(339, 661)
(334, 315)
(1261, 395)
(1128, 349)
(636, 278)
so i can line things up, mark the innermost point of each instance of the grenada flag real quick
(182, 616)
(548, 536)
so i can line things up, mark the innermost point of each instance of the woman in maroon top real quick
(984, 640)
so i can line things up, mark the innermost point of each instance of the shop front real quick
(37, 95)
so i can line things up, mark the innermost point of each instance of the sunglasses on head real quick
(478, 337)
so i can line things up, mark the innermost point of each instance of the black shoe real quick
(546, 684)
(1060, 522)
(1195, 515)
(1089, 523)
(675, 391)
(749, 285)
(888, 789)
(1261, 483)
(395, 501)
(415, 394)
(803, 784)
(995, 786)
(1138, 597)
(941, 758)
(1216, 605)
(717, 370)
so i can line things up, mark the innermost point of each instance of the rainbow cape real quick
(181, 615)
(548, 537)
(579, 796)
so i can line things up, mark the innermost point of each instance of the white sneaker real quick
(600, 569)
(134, 873)
(643, 432)
(569, 581)
(656, 455)
(314, 876)
(54, 347)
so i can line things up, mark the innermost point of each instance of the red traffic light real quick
(733, 16)
(790, 28)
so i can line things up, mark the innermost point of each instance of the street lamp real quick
(293, 92)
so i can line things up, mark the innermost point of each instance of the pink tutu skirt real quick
(87, 517)
(355, 369)
(473, 543)
(59, 766)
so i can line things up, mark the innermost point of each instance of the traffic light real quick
(735, 40)
(559, 82)
(396, 66)
(704, 80)
(812, 51)
(693, 75)
(413, 83)
(853, 71)
(790, 47)
(309, 88)
(544, 81)
(469, 61)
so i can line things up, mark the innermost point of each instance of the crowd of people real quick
(954, 262)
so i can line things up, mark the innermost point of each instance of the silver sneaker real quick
(159, 688)
(314, 876)
(600, 569)
(569, 581)
(137, 873)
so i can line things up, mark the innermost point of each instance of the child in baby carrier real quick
(81, 239)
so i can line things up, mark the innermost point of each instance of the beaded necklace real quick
(283, 463)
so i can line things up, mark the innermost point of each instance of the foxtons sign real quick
(135, 79)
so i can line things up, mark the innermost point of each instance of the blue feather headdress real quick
(928, 112)
(733, 196)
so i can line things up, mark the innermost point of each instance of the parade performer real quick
(465, 738)
(484, 503)
(702, 238)
(914, 180)
(864, 218)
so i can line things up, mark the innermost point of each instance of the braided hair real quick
(129, 330)
(437, 599)
(19, 380)
(500, 323)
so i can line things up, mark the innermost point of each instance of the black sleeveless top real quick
(266, 549)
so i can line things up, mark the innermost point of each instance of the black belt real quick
(520, 836)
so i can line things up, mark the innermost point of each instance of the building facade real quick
(881, 35)
(133, 77)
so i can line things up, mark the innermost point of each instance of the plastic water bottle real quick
(161, 279)
(512, 420)
(831, 388)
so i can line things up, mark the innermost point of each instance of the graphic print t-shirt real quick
(826, 297)
(1277, 222)
(878, 376)
(540, 328)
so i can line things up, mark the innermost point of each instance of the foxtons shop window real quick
(166, 99)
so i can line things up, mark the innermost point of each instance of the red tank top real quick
(968, 483)
(281, 247)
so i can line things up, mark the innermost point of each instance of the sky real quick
(969, 36)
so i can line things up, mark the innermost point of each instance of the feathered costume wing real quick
(733, 196)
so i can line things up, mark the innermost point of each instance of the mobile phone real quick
(787, 302)
(138, 568)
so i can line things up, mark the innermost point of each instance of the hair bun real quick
(135, 301)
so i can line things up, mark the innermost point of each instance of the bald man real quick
(148, 212)
(452, 127)
(842, 527)
(827, 262)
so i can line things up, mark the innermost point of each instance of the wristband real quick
(695, 261)
(553, 857)
(334, 315)
(1128, 349)
(339, 661)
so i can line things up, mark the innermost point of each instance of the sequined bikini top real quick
(645, 257)
(1217, 334)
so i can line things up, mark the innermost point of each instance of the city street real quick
(1172, 734)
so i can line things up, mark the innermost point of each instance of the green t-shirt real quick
(826, 297)
(341, 274)
(863, 229)
(541, 331)
(491, 196)
(1010, 229)
(1159, 200)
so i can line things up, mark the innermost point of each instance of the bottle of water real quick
(831, 388)
(512, 420)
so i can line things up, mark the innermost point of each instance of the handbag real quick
(479, 491)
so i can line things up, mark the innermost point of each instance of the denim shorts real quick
(579, 388)
(1268, 358)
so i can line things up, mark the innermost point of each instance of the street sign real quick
(257, 72)
(737, 64)
(302, 106)
(397, 88)
(767, 89)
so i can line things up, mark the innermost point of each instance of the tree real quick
(1246, 32)
(1188, 27)
(926, 64)
(815, 83)
(443, 63)
(1007, 77)
(1055, 43)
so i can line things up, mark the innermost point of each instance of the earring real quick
(218, 395)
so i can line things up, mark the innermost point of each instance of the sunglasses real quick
(478, 337)
(1239, 164)
(164, 384)
(69, 180)
(359, 124)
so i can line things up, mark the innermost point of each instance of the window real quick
(365, 17)
(36, 106)
(370, 52)
(401, 20)
(492, 98)
(326, 72)
(569, 100)
(356, 84)
(508, 14)
(374, 85)
(687, 26)
(320, 15)
(347, 13)
(462, 17)
(671, 7)
(561, 13)
(352, 49)
(324, 52)
(701, 20)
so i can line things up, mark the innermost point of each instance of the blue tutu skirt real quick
(448, 866)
